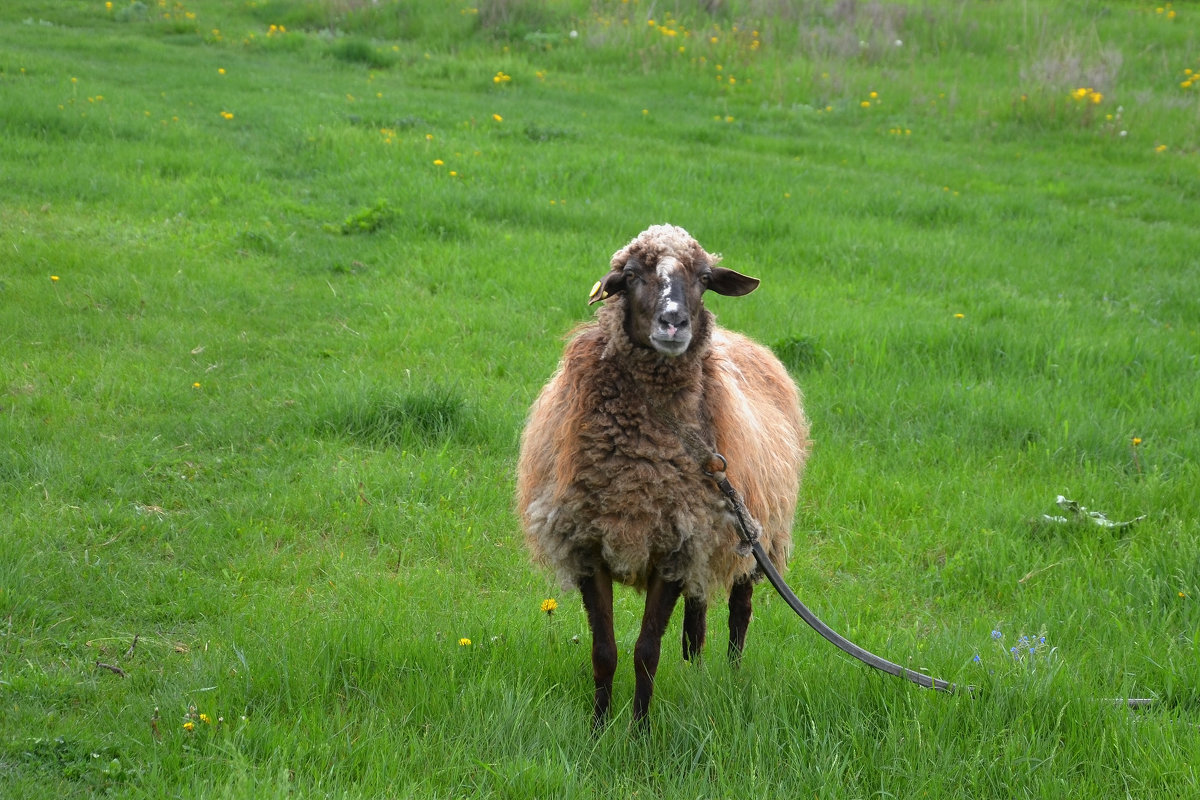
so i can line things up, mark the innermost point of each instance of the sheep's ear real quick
(607, 286)
(731, 284)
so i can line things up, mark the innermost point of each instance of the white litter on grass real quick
(1081, 514)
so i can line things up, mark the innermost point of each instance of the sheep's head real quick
(664, 273)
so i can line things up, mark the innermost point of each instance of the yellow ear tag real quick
(595, 291)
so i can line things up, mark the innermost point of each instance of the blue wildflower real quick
(977, 658)
(997, 635)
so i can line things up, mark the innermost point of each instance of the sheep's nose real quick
(675, 317)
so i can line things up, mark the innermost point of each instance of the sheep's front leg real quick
(597, 591)
(740, 603)
(661, 597)
(695, 625)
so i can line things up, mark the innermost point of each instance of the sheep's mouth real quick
(670, 341)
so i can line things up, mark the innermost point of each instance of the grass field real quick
(279, 280)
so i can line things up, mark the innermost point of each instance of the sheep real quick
(610, 486)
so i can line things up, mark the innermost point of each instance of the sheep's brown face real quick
(664, 295)
(663, 303)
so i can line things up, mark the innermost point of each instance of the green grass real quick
(264, 364)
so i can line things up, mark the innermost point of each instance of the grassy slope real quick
(303, 537)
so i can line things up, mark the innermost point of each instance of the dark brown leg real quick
(661, 596)
(695, 624)
(597, 591)
(740, 603)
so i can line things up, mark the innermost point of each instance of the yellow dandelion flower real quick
(437, 162)
(196, 385)
(189, 726)
(1183, 594)
(1137, 440)
(498, 118)
(429, 137)
(453, 174)
(873, 95)
(549, 605)
(54, 278)
(1095, 97)
(959, 316)
(220, 70)
(1162, 148)
(464, 642)
(865, 104)
(206, 719)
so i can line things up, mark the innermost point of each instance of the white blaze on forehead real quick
(667, 267)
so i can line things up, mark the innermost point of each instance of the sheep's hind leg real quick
(661, 596)
(597, 591)
(741, 598)
(695, 625)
